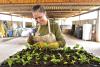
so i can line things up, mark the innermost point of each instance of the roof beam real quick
(46, 1)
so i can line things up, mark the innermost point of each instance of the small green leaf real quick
(10, 62)
(65, 62)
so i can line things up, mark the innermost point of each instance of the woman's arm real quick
(59, 37)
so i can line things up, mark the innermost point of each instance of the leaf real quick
(55, 61)
(76, 46)
(96, 59)
(65, 62)
(29, 58)
(83, 59)
(45, 62)
(45, 58)
(24, 62)
(73, 61)
(10, 62)
(28, 46)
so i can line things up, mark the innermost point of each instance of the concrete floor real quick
(90, 46)
(9, 46)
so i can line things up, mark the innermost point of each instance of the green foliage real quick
(96, 59)
(10, 62)
(76, 46)
(55, 61)
(65, 55)
(83, 59)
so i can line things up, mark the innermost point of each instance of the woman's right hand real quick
(37, 38)
(30, 39)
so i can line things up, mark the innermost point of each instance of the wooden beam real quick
(46, 1)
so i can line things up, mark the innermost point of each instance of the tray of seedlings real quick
(35, 56)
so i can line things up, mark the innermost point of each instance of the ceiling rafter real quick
(46, 1)
(54, 9)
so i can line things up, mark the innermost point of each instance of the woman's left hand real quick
(53, 45)
(37, 38)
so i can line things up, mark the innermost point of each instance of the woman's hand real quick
(30, 39)
(37, 38)
(41, 39)
(53, 45)
(42, 44)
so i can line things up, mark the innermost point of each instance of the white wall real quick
(5, 17)
(90, 15)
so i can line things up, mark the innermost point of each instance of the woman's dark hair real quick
(38, 8)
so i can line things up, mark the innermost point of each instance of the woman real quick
(46, 31)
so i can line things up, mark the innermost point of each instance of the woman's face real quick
(40, 17)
